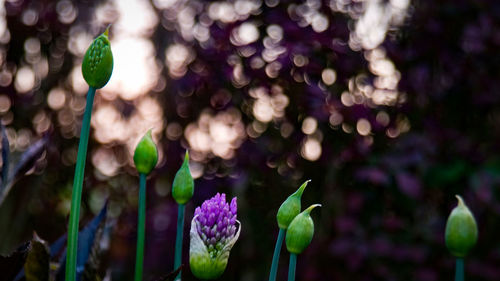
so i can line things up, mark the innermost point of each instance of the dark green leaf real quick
(37, 263)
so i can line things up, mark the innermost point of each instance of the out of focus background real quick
(390, 107)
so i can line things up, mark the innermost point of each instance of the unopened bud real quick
(300, 231)
(290, 207)
(146, 154)
(461, 230)
(183, 186)
(97, 64)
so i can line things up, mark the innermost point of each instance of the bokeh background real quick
(391, 107)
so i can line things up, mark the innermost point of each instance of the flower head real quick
(97, 64)
(213, 234)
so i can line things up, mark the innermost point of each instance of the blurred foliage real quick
(390, 107)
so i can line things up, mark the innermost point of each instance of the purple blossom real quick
(216, 222)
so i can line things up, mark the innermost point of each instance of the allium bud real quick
(183, 186)
(97, 64)
(290, 207)
(146, 154)
(213, 234)
(461, 230)
(300, 231)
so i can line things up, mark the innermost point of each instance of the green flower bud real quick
(183, 186)
(290, 207)
(461, 230)
(146, 154)
(97, 63)
(301, 231)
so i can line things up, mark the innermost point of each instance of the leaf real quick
(37, 263)
(171, 276)
(28, 159)
(26, 162)
(12, 264)
(5, 156)
(88, 249)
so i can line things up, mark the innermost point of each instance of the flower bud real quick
(290, 207)
(300, 231)
(183, 186)
(461, 230)
(146, 154)
(213, 234)
(97, 64)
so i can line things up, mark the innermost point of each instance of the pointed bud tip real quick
(301, 188)
(310, 208)
(461, 202)
(106, 32)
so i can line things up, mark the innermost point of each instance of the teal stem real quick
(276, 255)
(74, 215)
(291, 267)
(459, 270)
(178, 239)
(141, 228)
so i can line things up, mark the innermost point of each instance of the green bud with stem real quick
(146, 154)
(97, 64)
(290, 207)
(183, 185)
(300, 231)
(461, 230)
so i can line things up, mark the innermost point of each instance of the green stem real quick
(459, 270)
(276, 255)
(141, 228)
(291, 267)
(178, 239)
(76, 198)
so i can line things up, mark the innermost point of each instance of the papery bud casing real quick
(461, 230)
(300, 231)
(146, 154)
(290, 207)
(183, 185)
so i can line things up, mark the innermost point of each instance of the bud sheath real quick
(301, 231)
(183, 186)
(461, 230)
(146, 154)
(290, 207)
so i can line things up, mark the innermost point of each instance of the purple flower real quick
(213, 234)
(216, 222)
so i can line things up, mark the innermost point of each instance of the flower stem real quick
(141, 228)
(178, 239)
(74, 215)
(276, 255)
(291, 267)
(459, 270)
